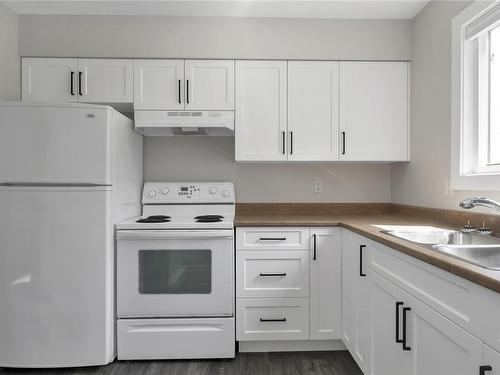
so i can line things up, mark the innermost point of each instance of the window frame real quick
(470, 105)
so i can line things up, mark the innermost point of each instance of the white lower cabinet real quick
(491, 362)
(272, 273)
(261, 319)
(343, 285)
(325, 284)
(409, 331)
(438, 346)
(408, 337)
(288, 284)
(355, 314)
(386, 305)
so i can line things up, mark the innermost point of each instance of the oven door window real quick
(175, 271)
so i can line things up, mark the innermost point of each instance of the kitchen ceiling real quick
(329, 9)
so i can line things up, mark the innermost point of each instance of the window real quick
(488, 96)
(494, 99)
(476, 98)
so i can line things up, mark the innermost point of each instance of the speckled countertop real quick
(364, 224)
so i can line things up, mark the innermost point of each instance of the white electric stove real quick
(175, 274)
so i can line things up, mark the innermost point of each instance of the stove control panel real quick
(180, 192)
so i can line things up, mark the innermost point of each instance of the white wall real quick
(213, 37)
(9, 59)
(195, 37)
(213, 159)
(422, 182)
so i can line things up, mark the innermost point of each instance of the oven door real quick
(175, 273)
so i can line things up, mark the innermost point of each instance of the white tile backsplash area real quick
(205, 158)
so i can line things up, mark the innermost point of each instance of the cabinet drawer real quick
(272, 274)
(272, 238)
(175, 338)
(272, 319)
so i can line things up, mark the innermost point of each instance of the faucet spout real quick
(479, 201)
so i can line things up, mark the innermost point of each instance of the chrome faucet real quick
(479, 201)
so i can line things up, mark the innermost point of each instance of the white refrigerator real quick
(68, 173)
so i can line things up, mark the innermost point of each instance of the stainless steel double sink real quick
(483, 251)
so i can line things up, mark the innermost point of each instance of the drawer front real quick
(272, 238)
(272, 274)
(272, 319)
(175, 338)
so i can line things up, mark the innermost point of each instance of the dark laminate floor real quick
(297, 363)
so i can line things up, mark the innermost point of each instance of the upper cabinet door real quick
(209, 85)
(313, 110)
(158, 84)
(105, 80)
(374, 111)
(261, 110)
(49, 80)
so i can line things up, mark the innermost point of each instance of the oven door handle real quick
(172, 234)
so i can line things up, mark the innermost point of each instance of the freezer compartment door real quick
(56, 278)
(44, 144)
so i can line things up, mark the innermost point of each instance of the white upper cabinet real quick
(325, 284)
(106, 80)
(261, 111)
(158, 84)
(209, 85)
(200, 85)
(77, 80)
(313, 110)
(49, 80)
(374, 111)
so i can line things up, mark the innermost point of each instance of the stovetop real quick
(184, 205)
(177, 222)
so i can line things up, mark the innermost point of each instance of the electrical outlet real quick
(447, 188)
(318, 186)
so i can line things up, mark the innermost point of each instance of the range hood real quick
(172, 123)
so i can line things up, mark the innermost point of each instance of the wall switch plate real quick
(318, 186)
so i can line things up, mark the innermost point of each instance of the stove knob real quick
(212, 190)
(152, 194)
(164, 190)
(225, 193)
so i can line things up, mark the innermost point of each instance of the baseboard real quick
(290, 346)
